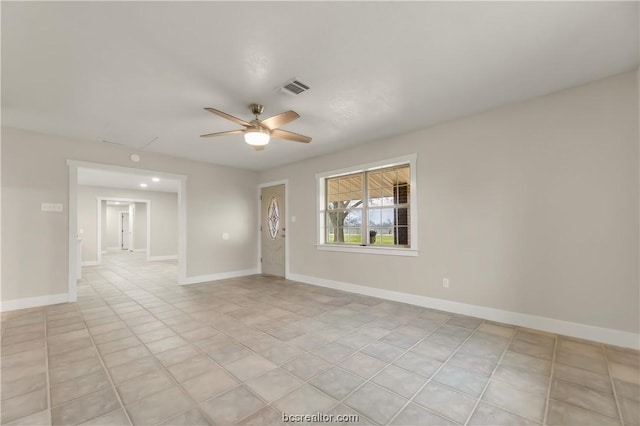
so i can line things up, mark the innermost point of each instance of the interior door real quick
(124, 230)
(273, 230)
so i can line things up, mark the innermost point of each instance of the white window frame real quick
(321, 178)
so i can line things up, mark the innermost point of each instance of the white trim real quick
(111, 249)
(567, 328)
(73, 277)
(284, 182)
(111, 167)
(388, 251)
(182, 231)
(33, 302)
(168, 257)
(90, 263)
(219, 276)
(104, 252)
(412, 160)
(139, 250)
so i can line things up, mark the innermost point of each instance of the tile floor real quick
(137, 349)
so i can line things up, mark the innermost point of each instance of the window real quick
(371, 207)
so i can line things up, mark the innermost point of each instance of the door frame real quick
(284, 182)
(99, 224)
(73, 166)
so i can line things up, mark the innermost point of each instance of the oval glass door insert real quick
(273, 218)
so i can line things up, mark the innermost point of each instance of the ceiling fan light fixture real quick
(256, 137)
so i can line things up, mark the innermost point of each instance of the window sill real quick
(410, 252)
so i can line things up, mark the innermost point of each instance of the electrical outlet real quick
(445, 282)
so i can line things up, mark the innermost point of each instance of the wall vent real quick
(294, 87)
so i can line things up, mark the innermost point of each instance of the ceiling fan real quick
(258, 132)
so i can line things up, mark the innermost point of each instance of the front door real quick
(273, 230)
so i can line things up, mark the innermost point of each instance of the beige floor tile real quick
(336, 382)
(250, 367)
(232, 406)
(158, 407)
(72, 371)
(522, 379)
(462, 380)
(13, 388)
(124, 372)
(192, 417)
(517, 401)
(486, 414)
(625, 373)
(116, 417)
(362, 365)
(274, 384)
(143, 385)
(378, 404)
(562, 414)
(191, 367)
(584, 397)
(81, 386)
(126, 355)
(209, 384)
(42, 418)
(415, 415)
(446, 402)
(399, 381)
(418, 364)
(23, 405)
(303, 400)
(85, 408)
(306, 366)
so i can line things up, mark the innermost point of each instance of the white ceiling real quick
(112, 179)
(137, 72)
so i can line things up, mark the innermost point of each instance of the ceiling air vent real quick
(294, 87)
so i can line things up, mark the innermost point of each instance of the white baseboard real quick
(567, 328)
(90, 263)
(32, 302)
(169, 257)
(139, 250)
(219, 276)
(114, 249)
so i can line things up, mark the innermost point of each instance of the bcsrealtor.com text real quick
(320, 418)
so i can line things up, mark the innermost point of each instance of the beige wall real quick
(140, 227)
(530, 208)
(164, 220)
(34, 170)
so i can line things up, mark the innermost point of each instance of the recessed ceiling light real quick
(117, 202)
(135, 158)
(143, 185)
(155, 179)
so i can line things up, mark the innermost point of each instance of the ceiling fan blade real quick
(280, 119)
(230, 132)
(229, 117)
(290, 136)
(259, 147)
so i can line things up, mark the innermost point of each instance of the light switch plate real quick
(225, 236)
(51, 207)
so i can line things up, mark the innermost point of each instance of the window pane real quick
(353, 235)
(375, 197)
(374, 179)
(352, 218)
(375, 217)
